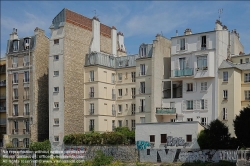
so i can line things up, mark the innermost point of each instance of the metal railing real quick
(26, 80)
(15, 131)
(91, 127)
(91, 112)
(15, 113)
(26, 131)
(26, 63)
(91, 94)
(184, 72)
(3, 83)
(2, 121)
(26, 113)
(165, 110)
(2, 109)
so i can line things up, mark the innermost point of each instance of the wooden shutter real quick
(183, 105)
(199, 43)
(198, 104)
(186, 44)
(178, 45)
(205, 104)
(163, 138)
(194, 105)
(207, 42)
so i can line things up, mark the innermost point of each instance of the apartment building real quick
(234, 88)
(191, 92)
(93, 83)
(27, 88)
(2, 99)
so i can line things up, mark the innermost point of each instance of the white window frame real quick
(202, 106)
(15, 77)
(225, 76)
(56, 57)
(15, 109)
(190, 104)
(247, 77)
(15, 45)
(142, 70)
(202, 62)
(26, 76)
(113, 78)
(56, 89)
(56, 104)
(143, 87)
(56, 73)
(133, 76)
(204, 121)
(142, 119)
(182, 44)
(203, 86)
(120, 92)
(133, 109)
(224, 117)
(247, 94)
(247, 60)
(119, 76)
(26, 108)
(225, 94)
(56, 138)
(190, 87)
(189, 119)
(119, 108)
(56, 121)
(119, 123)
(91, 76)
(172, 120)
(91, 108)
(203, 45)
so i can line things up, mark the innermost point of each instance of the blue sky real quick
(139, 21)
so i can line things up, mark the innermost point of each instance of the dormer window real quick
(15, 45)
(26, 43)
(143, 51)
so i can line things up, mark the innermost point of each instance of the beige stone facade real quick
(27, 89)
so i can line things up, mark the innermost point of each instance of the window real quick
(225, 94)
(26, 93)
(15, 142)
(182, 63)
(142, 119)
(56, 89)
(143, 51)
(113, 78)
(247, 60)
(142, 105)
(189, 119)
(172, 104)
(26, 142)
(224, 114)
(56, 41)
(56, 121)
(119, 108)
(120, 92)
(126, 91)
(56, 138)
(15, 45)
(91, 76)
(15, 78)
(26, 60)
(142, 87)
(126, 123)
(163, 138)
(126, 106)
(126, 75)
(203, 86)
(56, 57)
(148, 151)
(27, 126)
(133, 76)
(247, 95)
(26, 76)
(247, 77)
(15, 110)
(133, 92)
(189, 87)
(241, 61)
(15, 125)
(189, 104)
(182, 41)
(132, 125)
(172, 120)
(26, 109)
(15, 94)
(56, 104)
(132, 109)
(92, 92)
(142, 69)
(188, 138)
(15, 61)
(120, 63)
(119, 123)
(26, 43)
(202, 104)
(113, 125)
(91, 108)
(202, 62)
(225, 76)
(91, 125)
(204, 121)
(120, 76)
(152, 138)
(56, 73)
(203, 42)
(113, 110)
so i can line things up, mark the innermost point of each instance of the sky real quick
(139, 21)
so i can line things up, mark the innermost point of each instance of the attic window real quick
(120, 63)
(56, 41)
(15, 45)
(26, 43)
(143, 52)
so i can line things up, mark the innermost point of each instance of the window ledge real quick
(55, 124)
(56, 108)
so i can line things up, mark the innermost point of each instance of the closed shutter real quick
(194, 105)
(194, 86)
(198, 104)
(207, 42)
(183, 105)
(205, 104)
(178, 45)
(186, 44)
(184, 87)
(199, 43)
(187, 62)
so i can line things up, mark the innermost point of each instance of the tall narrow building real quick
(2, 99)
(27, 88)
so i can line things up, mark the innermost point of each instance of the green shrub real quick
(101, 159)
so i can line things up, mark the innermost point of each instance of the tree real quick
(215, 136)
(242, 126)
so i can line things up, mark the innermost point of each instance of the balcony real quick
(26, 113)
(2, 97)
(26, 63)
(3, 69)
(142, 74)
(15, 97)
(91, 94)
(181, 73)
(2, 109)
(26, 131)
(14, 81)
(141, 108)
(91, 127)
(15, 131)
(14, 65)
(15, 113)
(2, 121)
(3, 83)
(113, 97)
(26, 97)
(113, 112)
(165, 111)
(91, 112)
(26, 80)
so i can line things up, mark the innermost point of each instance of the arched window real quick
(26, 142)
(15, 142)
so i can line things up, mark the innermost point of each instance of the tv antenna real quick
(220, 11)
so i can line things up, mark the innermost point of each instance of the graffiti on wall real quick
(142, 145)
(179, 155)
(177, 141)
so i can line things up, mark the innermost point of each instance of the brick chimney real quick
(14, 35)
(95, 46)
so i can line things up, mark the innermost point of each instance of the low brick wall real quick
(121, 153)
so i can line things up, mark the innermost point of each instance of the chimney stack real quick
(218, 25)
(176, 32)
(14, 35)
(188, 31)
